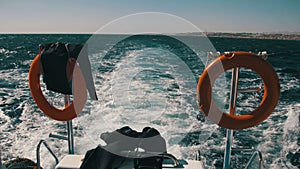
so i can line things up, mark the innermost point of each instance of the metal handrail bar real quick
(57, 136)
(43, 142)
(256, 89)
(256, 153)
(244, 149)
(135, 154)
(173, 158)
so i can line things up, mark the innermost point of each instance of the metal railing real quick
(255, 153)
(43, 142)
(69, 138)
(232, 105)
(229, 133)
(171, 157)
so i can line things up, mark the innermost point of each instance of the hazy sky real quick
(77, 16)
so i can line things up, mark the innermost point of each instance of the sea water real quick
(141, 84)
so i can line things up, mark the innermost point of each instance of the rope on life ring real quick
(234, 60)
(61, 114)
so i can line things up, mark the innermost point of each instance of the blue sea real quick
(150, 80)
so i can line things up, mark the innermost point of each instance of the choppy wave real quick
(186, 131)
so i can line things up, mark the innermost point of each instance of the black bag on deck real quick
(99, 158)
(153, 142)
(58, 62)
(103, 158)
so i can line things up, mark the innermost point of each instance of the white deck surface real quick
(74, 162)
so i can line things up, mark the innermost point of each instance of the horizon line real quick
(91, 33)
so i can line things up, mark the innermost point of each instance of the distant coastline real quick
(278, 36)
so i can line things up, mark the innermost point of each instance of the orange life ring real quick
(229, 61)
(61, 114)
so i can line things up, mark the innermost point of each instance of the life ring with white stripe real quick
(240, 60)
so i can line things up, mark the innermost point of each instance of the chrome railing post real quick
(69, 129)
(229, 132)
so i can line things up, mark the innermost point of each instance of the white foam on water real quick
(137, 93)
(21, 139)
(7, 51)
(281, 136)
(288, 82)
(291, 133)
(21, 134)
(280, 131)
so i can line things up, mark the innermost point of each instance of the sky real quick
(87, 16)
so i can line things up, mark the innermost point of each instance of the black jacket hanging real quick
(58, 61)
